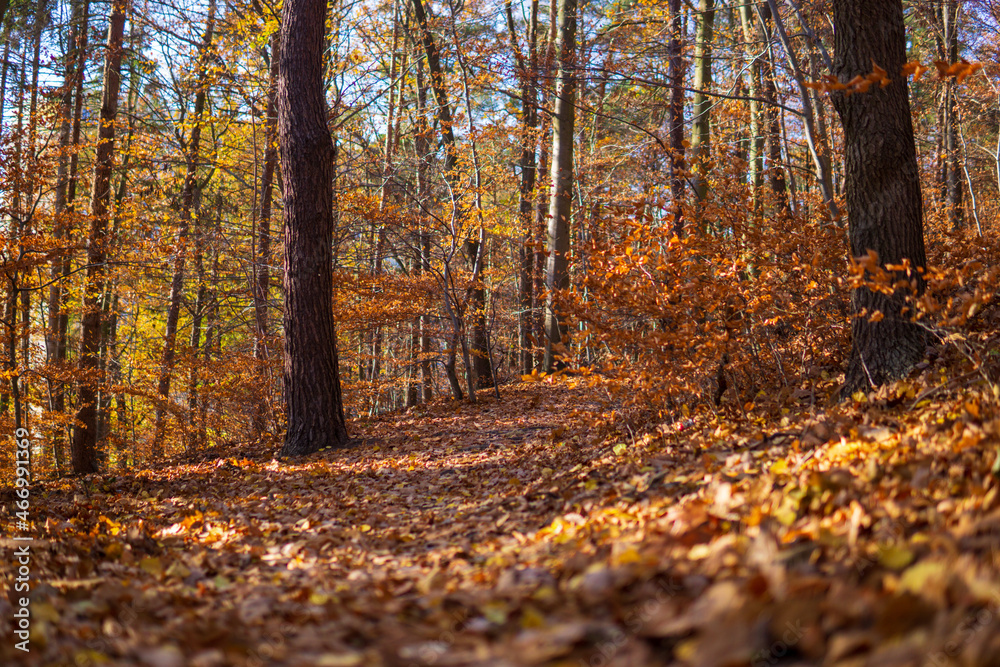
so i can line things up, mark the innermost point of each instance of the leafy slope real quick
(540, 530)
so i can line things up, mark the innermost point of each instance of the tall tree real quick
(313, 404)
(952, 159)
(561, 198)
(188, 195)
(775, 168)
(702, 123)
(675, 113)
(84, 450)
(262, 259)
(527, 71)
(65, 195)
(883, 187)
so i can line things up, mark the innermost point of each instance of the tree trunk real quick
(262, 264)
(775, 167)
(676, 113)
(313, 404)
(197, 316)
(188, 192)
(423, 149)
(84, 452)
(953, 159)
(823, 172)
(528, 74)
(386, 191)
(756, 153)
(69, 139)
(561, 199)
(883, 187)
(440, 95)
(702, 124)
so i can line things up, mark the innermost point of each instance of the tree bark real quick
(561, 199)
(756, 152)
(528, 75)
(69, 139)
(953, 159)
(883, 187)
(701, 131)
(262, 263)
(823, 173)
(84, 452)
(676, 113)
(313, 404)
(775, 167)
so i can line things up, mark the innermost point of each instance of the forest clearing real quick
(362, 333)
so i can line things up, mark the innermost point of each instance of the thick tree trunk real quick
(84, 454)
(883, 187)
(313, 404)
(561, 199)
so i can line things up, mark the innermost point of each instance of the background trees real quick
(697, 227)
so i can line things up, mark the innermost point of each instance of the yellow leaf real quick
(628, 556)
(532, 619)
(896, 557)
(151, 565)
(352, 659)
(917, 578)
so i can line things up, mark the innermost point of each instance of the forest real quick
(481, 332)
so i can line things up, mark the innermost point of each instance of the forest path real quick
(532, 531)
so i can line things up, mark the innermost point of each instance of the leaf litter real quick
(544, 529)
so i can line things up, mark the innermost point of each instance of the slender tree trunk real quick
(4, 67)
(385, 192)
(440, 95)
(528, 75)
(823, 172)
(561, 200)
(701, 130)
(756, 156)
(262, 283)
(84, 452)
(544, 186)
(213, 341)
(55, 335)
(422, 148)
(883, 187)
(194, 345)
(955, 186)
(775, 167)
(313, 404)
(193, 160)
(675, 113)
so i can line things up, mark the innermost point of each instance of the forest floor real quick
(540, 530)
